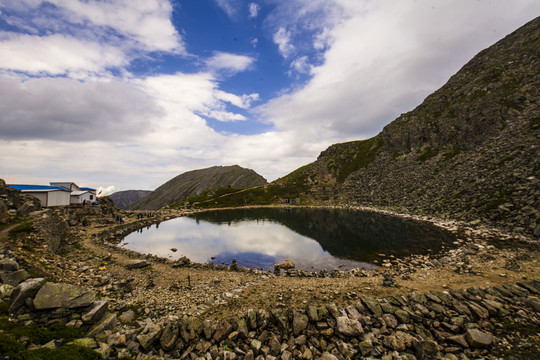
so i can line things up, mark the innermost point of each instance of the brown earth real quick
(485, 257)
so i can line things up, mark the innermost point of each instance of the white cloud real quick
(300, 66)
(147, 22)
(70, 110)
(253, 10)
(383, 59)
(105, 191)
(243, 102)
(282, 38)
(56, 54)
(230, 7)
(229, 62)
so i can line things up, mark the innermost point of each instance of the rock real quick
(14, 278)
(85, 342)
(108, 322)
(365, 347)
(127, 316)
(373, 305)
(8, 265)
(328, 356)
(426, 349)
(6, 290)
(533, 303)
(96, 311)
(60, 295)
(191, 328)
(348, 326)
(169, 335)
(223, 329)
(390, 321)
(459, 340)
(137, 264)
(300, 322)
(285, 265)
(394, 343)
(477, 338)
(208, 328)
(149, 335)
(25, 290)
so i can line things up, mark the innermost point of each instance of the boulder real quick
(137, 264)
(8, 265)
(60, 295)
(300, 322)
(477, 338)
(149, 335)
(169, 335)
(106, 323)
(96, 311)
(25, 290)
(348, 326)
(14, 278)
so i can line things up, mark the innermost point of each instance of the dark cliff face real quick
(122, 199)
(197, 181)
(470, 151)
(493, 90)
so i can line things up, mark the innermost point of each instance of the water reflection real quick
(312, 238)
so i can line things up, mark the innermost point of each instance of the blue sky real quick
(126, 94)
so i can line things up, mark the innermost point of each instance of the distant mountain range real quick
(470, 151)
(198, 181)
(122, 199)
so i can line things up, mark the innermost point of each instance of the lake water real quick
(312, 238)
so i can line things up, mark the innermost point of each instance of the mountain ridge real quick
(197, 181)
(470, 151)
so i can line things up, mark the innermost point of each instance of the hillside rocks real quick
(455, 324)
(13, 202)
(469, 152)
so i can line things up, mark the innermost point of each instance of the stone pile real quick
(454, 324)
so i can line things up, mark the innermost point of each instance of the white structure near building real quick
(58, 193)
(78, 195)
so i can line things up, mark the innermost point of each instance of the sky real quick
(127, 94)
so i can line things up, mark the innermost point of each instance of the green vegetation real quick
(451, 153)
(10, 348)
(427, 154)
(24, 228)
(355, 155)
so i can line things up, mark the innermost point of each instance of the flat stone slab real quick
(137, 264)
(26, 289)
(60, 295)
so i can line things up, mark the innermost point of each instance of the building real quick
(47, 195)
(78, 194)
(58, 193)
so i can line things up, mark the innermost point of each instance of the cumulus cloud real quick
(147, 23)
(229, 62)
(69, 110)
(56, 54)
(282, 38)
(230, 7)
(253, 10)
(383, 59)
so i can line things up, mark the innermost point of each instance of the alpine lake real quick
(312, 238)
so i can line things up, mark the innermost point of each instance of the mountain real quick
(470, 151)
(122, 199)
(197, 181)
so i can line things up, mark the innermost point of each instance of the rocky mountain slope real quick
(197, 181)
(122, 199)
(470, 151)
(13, 202)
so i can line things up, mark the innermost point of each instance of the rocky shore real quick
(478, 299)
